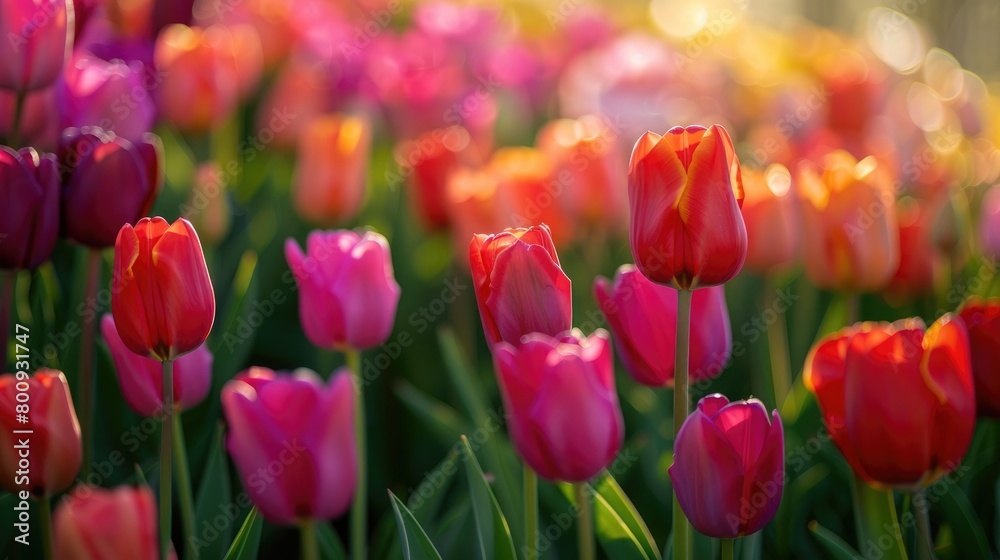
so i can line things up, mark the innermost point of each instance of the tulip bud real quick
(108, 181)
(54, 439)
(729, 467)
(771, 222)
(685, 192)
(161, 294)
(532, 191)
(101, 524)
(472, 206)
(520, 286)
(560, 399)
(989, 223)
(924, 429)
(850, 240)
(141, 378)
(109, 95)
(982, 319)
(37, 38)
(431, 157)
(643, 318)
(330, 172)
(29, 208)
(303, 425)
(347, 292)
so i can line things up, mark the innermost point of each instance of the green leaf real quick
(615, 536)
(833, 544)
(214, 500)
(415, 542)
(247, 541)
(619, 503)
(330, 547)
(232, 341)
(495, 542)
(445, 423)
(970, 538)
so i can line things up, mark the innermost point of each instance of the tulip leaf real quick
(616, 499)
(615, 536)
(970, 538)
(233, 336)
(214, 501)
(835, 546)
(412, 537)
(445, 423)
(247, 541)
(330, 547)
(495, 542)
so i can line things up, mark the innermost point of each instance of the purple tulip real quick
(37, 36)
(109, 95)
(29, 207)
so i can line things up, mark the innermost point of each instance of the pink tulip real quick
(989, 223)
(559, 394)
(109, 95)
(348, 294)
(292, 439)
(141, 378)
(37, 37)
(729, 467)
(643, 317)
(100, 524)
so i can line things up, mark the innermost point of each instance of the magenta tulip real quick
(729, 467)
(37, 35)
(141, 378)
(559, 394)
(110, 95)
(292, 439)
(348, 295)
(29, 208)
(643, 318)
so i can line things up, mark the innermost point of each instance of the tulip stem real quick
(166, 440)
(530, 512)
(682, 529)
(585, 525)
(359, 509)
(184, 487)
(45, 516)
(15, 127)
(310, 544)
(727, 549)
(6, 304)
(777, 343)
(925, 549)
(875, 515)
(87, 342)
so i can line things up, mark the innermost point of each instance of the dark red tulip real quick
(29, 207)
(982, 319)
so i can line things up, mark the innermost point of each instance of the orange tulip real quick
(472, 207)
(330, 173)
(850, 240)
(769, 214)
(532, 191)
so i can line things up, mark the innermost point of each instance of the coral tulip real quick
(330, 173)
(29, 208)
(533, 191)
(982, 319)
(101, 524)
(771, 222)
(685, 192)
(472, 206)
(37, 38)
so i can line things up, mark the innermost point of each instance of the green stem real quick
(682, 529)
(875, 516)
(45, 514)
(925, 548)
(853, 308)
(184, 487)
(310, 544)
(166, 440)
(87, 342)
(585, 525)
(530, 512)
(6, 305)
(727, 549)
(15, 127)
(359, 510)
(777, 343)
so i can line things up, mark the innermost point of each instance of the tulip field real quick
(499, 279)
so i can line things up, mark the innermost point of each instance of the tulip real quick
(208, 205)
(898, 402)
(38, 125)
(29, 208)
(520, 286)
(37, 38)
(110, 95)
(144, 19)
(532, 191)
(769, 214)
(54, 433)
(643, 318)
(141, 378)
(729, 466)
(982, 319)
(989, 223)
(850, 240)
(301, 424)
(562, 408)
(915, 274)
(108, 181)
(431, 157)
(330, 172)
(101, 524)
(685, 192)
(348, 294)
(161, 297)
(472, 206)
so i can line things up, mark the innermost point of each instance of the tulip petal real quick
(529, 293)
(184, 288)
(763, 496)
(947, 371)
(367, 293)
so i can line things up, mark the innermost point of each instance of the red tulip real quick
(100, 524)
(769, 213)
(915, 274)
(559, 394)
(643, 318)
(729, 467)
(982, 319)
(685, 192)
(161, 294)
(37, 38)
(141, 378)
(53, 445)
(519, 284)
(29, 208)
(292, 439)
(348, 294)
(432, 157)
(898, 402)
(330, 172)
